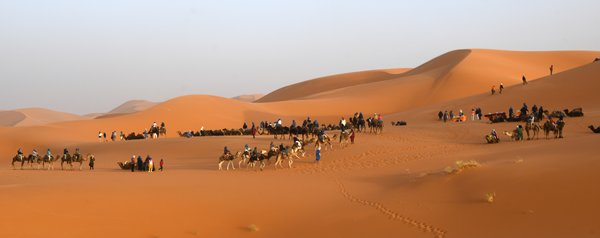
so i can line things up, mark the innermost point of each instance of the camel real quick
(491, 139)
(595, 130)
(344, 138)
(49, 160)
(19, 158)
(66, 158)
(229, 158)
(244, 158)
(78, 158)
(326, 142)
(534, 127)
(577, 112)
(514, 135)
(162, 131)
(260, 157)
(556, 129)
(297, 149)
(280, 157)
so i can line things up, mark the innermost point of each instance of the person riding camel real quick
(297, 142)
(154, 125)
(272, 146)
(316, 124)
(66, 151)
(494, 134)
(20, 153)
(48, 153)
(77, 152)
(343, 124)
(246, 149)
(321, 135)
(34, 153)
(226, 151)
(282, 149)
(254, 153)
(162, 124)
(279, 123)
(293, 124)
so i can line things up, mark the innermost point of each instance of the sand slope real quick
(249, 97)
(35, 116)
(388, 185)
(314, 86)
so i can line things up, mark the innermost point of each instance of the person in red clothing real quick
(161, 164)
(352, 136)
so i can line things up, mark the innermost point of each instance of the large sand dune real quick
(35, 116)
(390, 185)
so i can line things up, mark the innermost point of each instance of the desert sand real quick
(392, 184)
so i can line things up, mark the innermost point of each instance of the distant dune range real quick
(394, 184)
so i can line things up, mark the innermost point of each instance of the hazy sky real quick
(89, 56)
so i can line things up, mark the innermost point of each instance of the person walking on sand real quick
(150, 165)
(100, 136)
(132, 163)
(318, 153)
(493, 89)
(161, 164)
(92, 162)
(551, 69)
(253, 131)
(352, 136)
(472, 114)
(524, 79)
(104, 134)
(501, 88)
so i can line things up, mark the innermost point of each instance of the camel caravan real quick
(154, 132)
(47, 161)
(255, 158)
(552, 128)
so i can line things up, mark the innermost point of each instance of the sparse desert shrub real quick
(489, 197)
(461, 165)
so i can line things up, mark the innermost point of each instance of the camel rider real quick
(20, 153)
(246, 149)
(297, 142)
(308, 120)
(293, 124)
(282, 149)
(316, 124)
(154, 125)
(551, 120)
(321, 135)
(494, 135)
(226, 151)
(77, 152)
(34, 153)
(48, 153)
(343, 124)
(531, 119)
(162, 124)
(360, 116)
(66, 151)
(254, 153)
(272, 146)
(279, 123)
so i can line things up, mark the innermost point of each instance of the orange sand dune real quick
(314, 86)
(35, 116)
(390, 185)
(249, 97)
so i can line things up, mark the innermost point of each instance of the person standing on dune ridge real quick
(551, 69)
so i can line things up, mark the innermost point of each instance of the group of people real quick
(501, 88)
(476, 114)
(537, 113)
(145, 165)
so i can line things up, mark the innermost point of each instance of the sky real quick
(85, 56)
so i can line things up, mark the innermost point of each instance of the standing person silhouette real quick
(551, 69)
